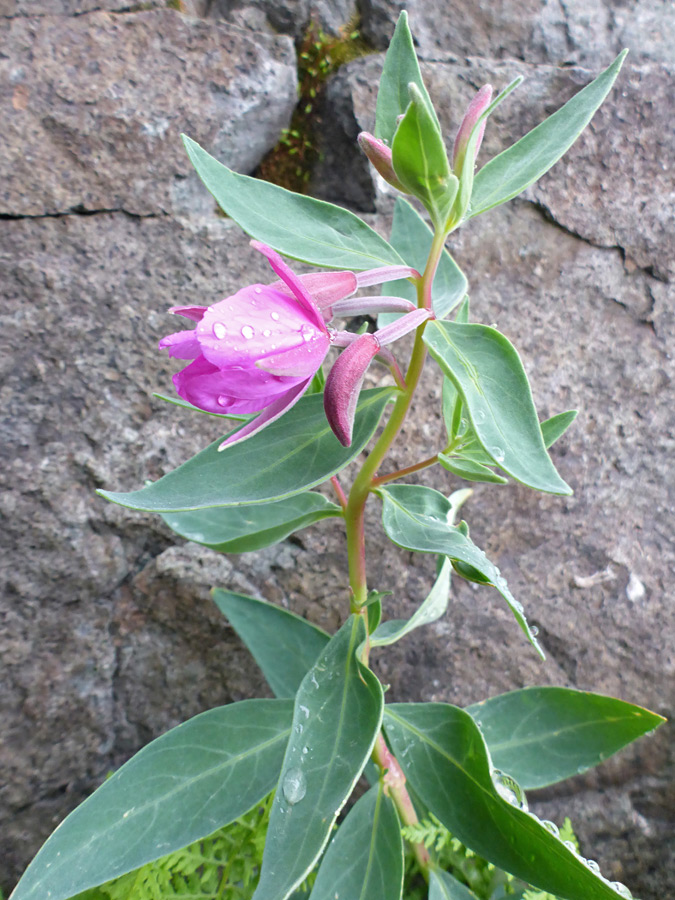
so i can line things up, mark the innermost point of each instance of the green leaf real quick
(364, 860)
(284, 645)
(241, 529)
(442, 886)
(505, 176)
(298, 226)
(489, 376)
(338, 712)
(177, 401)
(184, 785)
(444, 757)
(469, 470)
(419, 518)
(542, 735)
(556, 426)
(399, 71)
(295, 453)
(420, 160)
(429, 611)
(411, 237)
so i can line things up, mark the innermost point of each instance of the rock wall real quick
(108, 635)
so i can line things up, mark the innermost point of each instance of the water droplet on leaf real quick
(621, 889)
(551, 826)
(509, 789)
(294, 786)
(593, 866)
(479, 417)
(497, 454)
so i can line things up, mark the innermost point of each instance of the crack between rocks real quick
(81, 211)
(547, 213)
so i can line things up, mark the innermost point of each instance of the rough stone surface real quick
(289, 17)
(96, 104)
(94, 663)
(583, 32)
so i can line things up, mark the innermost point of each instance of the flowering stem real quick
(337, 487)
(408, 470)
(394, 785)
(365, 480)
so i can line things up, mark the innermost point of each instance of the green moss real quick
(291, 162)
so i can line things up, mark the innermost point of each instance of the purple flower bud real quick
(343, 385)
(473, 113)
(380, 156)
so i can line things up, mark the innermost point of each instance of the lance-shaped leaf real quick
(284, 645)
(542, 735)
(298, 226)
(444, 757)
(489, 376)
(469, 469)
(419, 518)
(521, 165)
(338, 712)
(184, 785)
(400, 69)
(411, 237)
(364, 860)
(442, 886)
(241, 529)
(429, 611)
(420, 159)
(293, 454)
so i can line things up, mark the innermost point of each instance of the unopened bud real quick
(473, 113)
(380, 156)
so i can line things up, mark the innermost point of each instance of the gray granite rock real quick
(288, 17)
(96, 105)
(583, 32)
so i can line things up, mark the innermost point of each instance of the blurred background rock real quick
(108, 634)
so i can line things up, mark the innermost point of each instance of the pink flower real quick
(379, 155)
(257, 351)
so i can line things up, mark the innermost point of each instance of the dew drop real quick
(305, 711)
(479, 417)
(275, 316)
(497, 454)
(570, 846)
(305, 750)
(258, 290)
(294, 786)
(534, 630)
(593, 866)
(219, 330)
(551, 826)
(307, 332)
(621, 889)
(266, 332)
(509, 789)
(247, 332)
(299, 728)
(223, 400)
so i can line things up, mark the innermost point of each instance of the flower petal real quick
(299, 361)
(268, 415)
(181, 345)
(289, 278)
(367, 305)
(474, 111)
(195, 313)
(325, 288)
(386, 273)
(397, 329)
(201, 384)
(343, 385)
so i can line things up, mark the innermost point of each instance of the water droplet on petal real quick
(247, 332)
(219, 330)
(266, 332)
(223, 400)
(294, 786)
(497, 454)
(551, 826)
(307, 332)
(258, 290)
(275, 316)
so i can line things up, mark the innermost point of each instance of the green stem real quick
(394, 785)
(363, 483)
